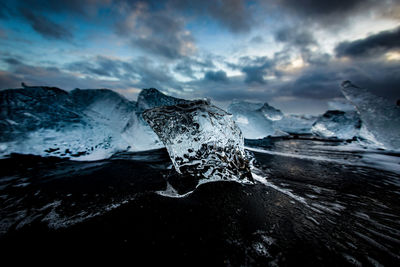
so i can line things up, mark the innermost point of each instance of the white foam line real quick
(284, 191)
(294, 155)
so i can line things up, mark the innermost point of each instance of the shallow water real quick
(313, 202)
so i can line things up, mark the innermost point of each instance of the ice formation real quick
(258, 120)
(295, 124)
(339, 124)
(271, 113)
(380, 117)
(87, 124)
(252, 119)
(151, 98)
(202, 140)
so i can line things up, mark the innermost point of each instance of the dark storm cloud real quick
(125, 75)
(46, 27)
(160, 33)
(254, 68)
(60, 6)
(141, 72)
(4, 10)
(373, 45)
(382, 78)
(301, 41)
(333, 13)
(100, 66)
(295, 37)
(186, 66)
(232, 14)
(322, 8)
(216, 76)
(12, 61)
(315, 84)
(257, 39)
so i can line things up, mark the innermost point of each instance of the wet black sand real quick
(317, 213)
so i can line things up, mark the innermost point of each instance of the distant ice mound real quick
(202, 140)
(339, 124)
(87, 124)
(258, 120)
(253, 118)
(295, 124)
(271, 113)
(380, 117)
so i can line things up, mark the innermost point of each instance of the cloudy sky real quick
(292, 54)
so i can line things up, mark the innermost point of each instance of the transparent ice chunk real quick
(202, 140)
(253, 119)
(380, 117)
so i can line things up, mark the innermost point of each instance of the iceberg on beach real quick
(380, 117)
(253, 118)
(337, 124)
(258, 120)
(202, 140)
(88, 124)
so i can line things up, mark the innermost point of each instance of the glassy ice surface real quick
(90, 124)
(380, 117)
(253, 119)
(202, 140)
(257, 120)
(339, 124)
(296, 124)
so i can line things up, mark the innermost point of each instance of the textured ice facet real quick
(380, 117)
(202, 140)
(339, 124)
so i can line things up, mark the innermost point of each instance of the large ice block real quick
(253, 119)
(379, 116)
(88, 124)
(202, 140)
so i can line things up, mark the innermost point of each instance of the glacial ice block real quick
(295, 124)
(337, 123)
(202, 140)
(88, 124)
(253, 119)
(258, 120)
(380, 117)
